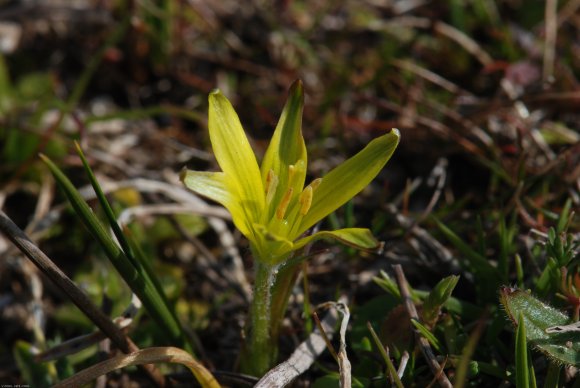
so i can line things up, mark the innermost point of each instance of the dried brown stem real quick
(551, 25)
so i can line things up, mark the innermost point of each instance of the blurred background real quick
(485, 93)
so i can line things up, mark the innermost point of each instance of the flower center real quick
(287, 209)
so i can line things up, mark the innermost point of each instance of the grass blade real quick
(522, 373)
(506, 237)
(488, 277)
(390, 366)
(130, 248)
(427, 334)
(106, 207)
(519, 271)
(465, 361)
(564, 216)
(553, 376)
(476, 261)
(139, 283)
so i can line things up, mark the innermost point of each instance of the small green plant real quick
(274, 211)
(547, 329)
(540, 325)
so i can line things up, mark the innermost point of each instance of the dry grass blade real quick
(568, 11)
(329, 346)
(469, 44)
(173, 191)
(303, 357)
(459, 37)
(437, 178)
(343, 361)
(429, 76)
(551, 26)
(403, 364)
(143, 356)
(79, 343)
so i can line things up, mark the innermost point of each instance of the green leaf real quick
(549, 279)
(564, 216)
(427, 334)
(522, 374)
(235, 155)
(349, 178)
(387, 284)
(562, 347)
(34, 86)
(360, 238)
(437, 298)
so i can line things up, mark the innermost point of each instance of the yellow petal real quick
(349, 178)
(235, 156)
(213, 185)
(287, 149)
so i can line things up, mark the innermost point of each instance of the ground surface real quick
(486, 96)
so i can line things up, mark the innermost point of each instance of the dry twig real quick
(551, 26)
(303, 357)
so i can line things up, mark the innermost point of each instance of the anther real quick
(291, 172)
(271, 185)
(305, 200)
(281, 210)
(315, 183)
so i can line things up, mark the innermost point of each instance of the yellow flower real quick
(269, 203)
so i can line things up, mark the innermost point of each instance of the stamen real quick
(291, 173)
(281, 210)
(271, 185)
(294, 174)
(315, 183)
(305, 200)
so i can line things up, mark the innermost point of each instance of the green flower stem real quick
(261, 349)
(284, 282)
